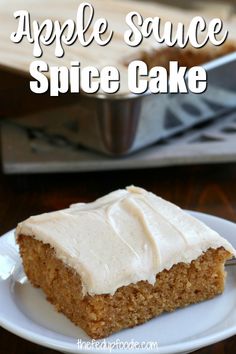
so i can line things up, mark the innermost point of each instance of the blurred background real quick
(72, 133)
(74, 148)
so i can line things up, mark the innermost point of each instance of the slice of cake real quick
(121, 260)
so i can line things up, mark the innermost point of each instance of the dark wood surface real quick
(209, 189)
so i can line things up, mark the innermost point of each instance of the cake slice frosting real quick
(127, 236)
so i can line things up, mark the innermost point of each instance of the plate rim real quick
(60, 345)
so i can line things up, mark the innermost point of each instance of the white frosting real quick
(117, 53)
(122, 238)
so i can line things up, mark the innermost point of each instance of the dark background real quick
(210, 189)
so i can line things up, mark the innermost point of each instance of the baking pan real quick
(33, 150)
(119, 125)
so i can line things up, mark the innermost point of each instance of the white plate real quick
(25, 312)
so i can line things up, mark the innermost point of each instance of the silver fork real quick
(230, 262)
(10, 262)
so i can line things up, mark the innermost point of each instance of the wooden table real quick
(210, 189)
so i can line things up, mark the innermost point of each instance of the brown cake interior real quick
(188, 57)
(102, 315)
